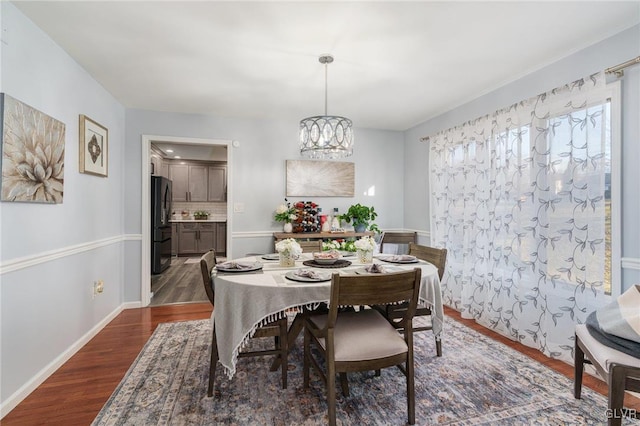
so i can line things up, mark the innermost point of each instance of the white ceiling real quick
(396, 63)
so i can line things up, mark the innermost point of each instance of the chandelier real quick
(326, 136)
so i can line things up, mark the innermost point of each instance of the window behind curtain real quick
(521, 199)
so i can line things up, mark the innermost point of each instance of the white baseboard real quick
(15, 399)
(131, 305)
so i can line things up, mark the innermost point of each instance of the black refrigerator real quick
(160, 226)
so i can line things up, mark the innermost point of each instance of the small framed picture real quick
(94, 147)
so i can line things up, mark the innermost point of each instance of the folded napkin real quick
(375, 268)
(401, 258)
(308, 273)
(236, 265)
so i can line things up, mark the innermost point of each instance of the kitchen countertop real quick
(211, 219)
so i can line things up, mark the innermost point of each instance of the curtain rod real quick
(618, 69)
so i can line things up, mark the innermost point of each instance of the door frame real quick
(145, 199)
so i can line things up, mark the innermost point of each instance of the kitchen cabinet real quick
(221, 239)
(196, 237)
(164, 169)
(217, 183)
(179, 175)
(190, 182)
(174, 239)
(198, 183)
(156, 165)
(206, 237)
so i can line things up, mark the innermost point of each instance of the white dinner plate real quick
(390, 259)
(255, 267)
(348, 253)
(271, 256)
(324, 276)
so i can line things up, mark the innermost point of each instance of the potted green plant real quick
(201, 215)
(361, 216)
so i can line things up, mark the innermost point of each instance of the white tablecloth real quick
(244, 301)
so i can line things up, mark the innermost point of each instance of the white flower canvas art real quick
(32, 154)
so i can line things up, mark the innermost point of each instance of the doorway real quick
(193, 145)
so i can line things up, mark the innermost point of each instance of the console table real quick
(277, 236)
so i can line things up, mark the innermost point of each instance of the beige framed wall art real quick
(309, 178)
(94, 147)
(32, 154)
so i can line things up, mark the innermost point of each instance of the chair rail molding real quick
(253, 234)
(47, 256)
(269, 234)
(630, 263)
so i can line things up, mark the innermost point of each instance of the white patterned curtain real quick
(517, 198)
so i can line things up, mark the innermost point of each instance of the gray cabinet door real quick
(174, 239)
(197, 183)
(221, 239)
(197, 238)
(164, 170)
(188, 238)
(206, 236)
(179, 175)
(217, 183)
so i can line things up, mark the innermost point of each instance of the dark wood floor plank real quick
(75, 393)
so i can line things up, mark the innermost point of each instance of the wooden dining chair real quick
(363, 340)
(438, 258)
(276, 329)
(400, 238)
(311, 246)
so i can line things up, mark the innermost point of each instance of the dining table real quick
(263, 292)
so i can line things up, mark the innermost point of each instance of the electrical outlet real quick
(98, 287)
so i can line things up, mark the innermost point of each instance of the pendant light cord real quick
(326, 90)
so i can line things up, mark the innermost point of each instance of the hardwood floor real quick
(75, 393)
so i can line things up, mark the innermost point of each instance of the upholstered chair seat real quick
(362, 336)
(604, 355)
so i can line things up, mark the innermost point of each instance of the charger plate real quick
(340, 263)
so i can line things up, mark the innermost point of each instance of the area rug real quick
(476, 381)
(192, 260)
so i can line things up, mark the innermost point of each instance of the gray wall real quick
(52, 253)
(258, 174)
(612, 51)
